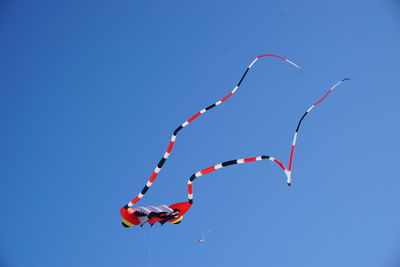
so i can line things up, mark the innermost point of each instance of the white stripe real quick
(333, 87)
(149, 183)
(252, 63)
(271, 158)
(190, 196)
(157, 170)
(294, 139)
(140, 195)
(239, 161)
(166, 155)
(185, 123)
(203, 110)
(219, 166)
(297, 66)
(310, 108)
(289, 176)
(234, 89)
(173, 138)
(219, 102)
(259, 158)
(130, 204)
(197, 174)
(189, 182)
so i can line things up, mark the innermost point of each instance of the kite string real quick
(174, 135)
(205, 234)
(148, 247)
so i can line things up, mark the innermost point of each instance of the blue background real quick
(90, 92)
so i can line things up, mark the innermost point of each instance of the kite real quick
(174, 213)
(203, 240)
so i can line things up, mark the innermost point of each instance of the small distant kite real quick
(174, 213)
(203, 239)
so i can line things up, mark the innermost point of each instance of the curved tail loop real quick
(287, 171)
(171, 144)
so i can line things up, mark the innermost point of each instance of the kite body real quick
(152, 214)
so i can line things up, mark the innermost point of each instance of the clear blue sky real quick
(90, 92)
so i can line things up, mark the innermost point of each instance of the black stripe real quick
(298, 125)
(210, 107)
(244, 74)
(265, 157)
(191, 201)
(144, 190)
(192, 177)
(177, 130)
(162, 161)
(227, 163)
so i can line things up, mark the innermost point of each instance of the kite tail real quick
(288, 171)
(187, 122)
(225, 164)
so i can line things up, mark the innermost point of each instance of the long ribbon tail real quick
(222, 165)
(288, 172)
(187, 122)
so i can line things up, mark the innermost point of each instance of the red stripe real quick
(322, 99)
(226, 97)
(194, 117)
(190, 188)
(250, 159)
(280, 164)
(208, 170)
(291, 158)
(272, 56)
(152, 177)
(170, 146)
(135, 200)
